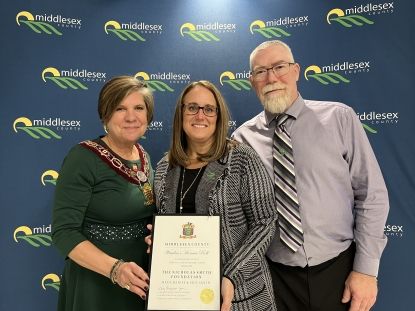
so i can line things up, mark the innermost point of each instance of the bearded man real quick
(330, 194)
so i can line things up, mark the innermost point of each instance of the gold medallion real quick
(148, 194)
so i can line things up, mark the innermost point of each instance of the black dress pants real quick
(316, 288)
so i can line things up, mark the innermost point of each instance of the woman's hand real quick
(148, 239)
(227, 291)
(133, 278)
(128, 275)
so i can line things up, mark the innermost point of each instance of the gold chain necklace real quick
(139, 178)
(187, 190)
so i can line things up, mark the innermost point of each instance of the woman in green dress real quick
(103, 202)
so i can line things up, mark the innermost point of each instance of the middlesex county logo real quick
(335, 73)
(238, 81)
(132, 31)
(278, 27)
(36, 237)
(371, 120)
(45, 23)
(357, 15)
(232, 125)
(155, 126)
(72, 78)
(393, 230)
(41, 128)
(155, 81)
(49, 177)
(207, 31)
(187, 231)
(51, 280)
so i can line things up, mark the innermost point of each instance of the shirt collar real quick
(293, 111)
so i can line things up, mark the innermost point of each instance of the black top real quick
(192, 177)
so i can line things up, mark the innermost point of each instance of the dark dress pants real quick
(316, 288)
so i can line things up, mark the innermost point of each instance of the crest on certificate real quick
(187, 231)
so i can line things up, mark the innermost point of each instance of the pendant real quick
(141, 176)
(148, 194)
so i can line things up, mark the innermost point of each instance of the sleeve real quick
(258, 203)
(72, 197)
(371, 203)
(159, 184)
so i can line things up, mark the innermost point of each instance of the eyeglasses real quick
(279, 70)
(208, 110)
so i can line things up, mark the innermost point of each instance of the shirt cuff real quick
(366, 265)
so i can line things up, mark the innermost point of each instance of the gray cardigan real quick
(239, 189)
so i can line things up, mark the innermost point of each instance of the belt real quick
(101, 232)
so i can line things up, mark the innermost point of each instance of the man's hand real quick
(361, 289)
(227, 294)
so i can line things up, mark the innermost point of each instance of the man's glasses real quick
(208, 110)
(279, 70)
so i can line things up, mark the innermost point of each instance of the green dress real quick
(93, 202)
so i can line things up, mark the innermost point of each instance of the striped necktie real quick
(291, 232)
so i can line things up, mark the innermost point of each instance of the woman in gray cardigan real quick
(206, 173)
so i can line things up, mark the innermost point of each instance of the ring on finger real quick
(127, 287)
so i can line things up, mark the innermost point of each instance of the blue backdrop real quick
(56, 56)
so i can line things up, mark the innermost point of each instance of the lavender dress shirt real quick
(340, 186)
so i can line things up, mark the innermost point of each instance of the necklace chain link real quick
(187, 190)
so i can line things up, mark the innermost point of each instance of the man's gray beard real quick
(276, 104)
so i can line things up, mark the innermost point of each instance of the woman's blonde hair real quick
(177, 154)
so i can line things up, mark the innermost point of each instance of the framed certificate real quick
(185, 266)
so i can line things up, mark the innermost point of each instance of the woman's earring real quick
(105, 128)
